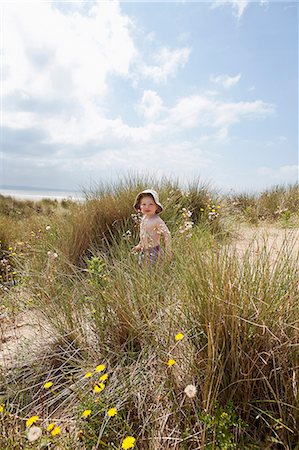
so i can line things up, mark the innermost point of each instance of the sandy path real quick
(20, 336)
(274, 239)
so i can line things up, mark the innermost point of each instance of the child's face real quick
(147, 206)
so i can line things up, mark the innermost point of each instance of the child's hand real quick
(136, 249)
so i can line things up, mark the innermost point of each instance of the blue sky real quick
(94, 90)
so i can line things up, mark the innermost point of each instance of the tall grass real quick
(108, 211)
(238, 315)
(279, 202)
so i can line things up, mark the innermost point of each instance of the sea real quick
(35, 194)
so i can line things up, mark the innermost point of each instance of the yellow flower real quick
(104, 377)
(31, 421)
(48, 385)
(98, 387)
(86, 413)
(112, 412)
(128, 442)
(56, 431)
(1, 408)
(179, 336)
(50, 426)
(100, 368)
(88, 375)
(170, 362)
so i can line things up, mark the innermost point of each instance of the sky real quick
(92, 91)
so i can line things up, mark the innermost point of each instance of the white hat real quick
(155, 196)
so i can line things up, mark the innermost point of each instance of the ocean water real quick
(39, 194)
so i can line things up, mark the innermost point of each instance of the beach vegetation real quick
(201, 352)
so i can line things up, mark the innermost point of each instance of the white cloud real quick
(171, 158)
(238, 6)
(229, 113)
(288, 173)
(66, 58)
(64, 55)
(63, 59)
(191, 111)
(167, 63)
(151, 105)
(206, 111)
(225, 80)
(179, 159)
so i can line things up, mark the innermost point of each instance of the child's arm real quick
(163, 229)
(138, 248)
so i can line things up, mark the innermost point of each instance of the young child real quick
(151, 228)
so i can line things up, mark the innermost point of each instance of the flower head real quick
(88, 375)
(48, 385)
(1, 408)
(128, 442)
(179, 336)
(170, 362)
(31, 421)
(104, 377)
(34, 433)
(52, 255)
(98, 387)
(112, 412)
(100, 367)
(86, 413)
(56, 431)
(190, 390)
(50, 426)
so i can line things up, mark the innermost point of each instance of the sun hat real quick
(151, 192)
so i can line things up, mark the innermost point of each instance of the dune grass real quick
(279, 203)
(135, 339)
